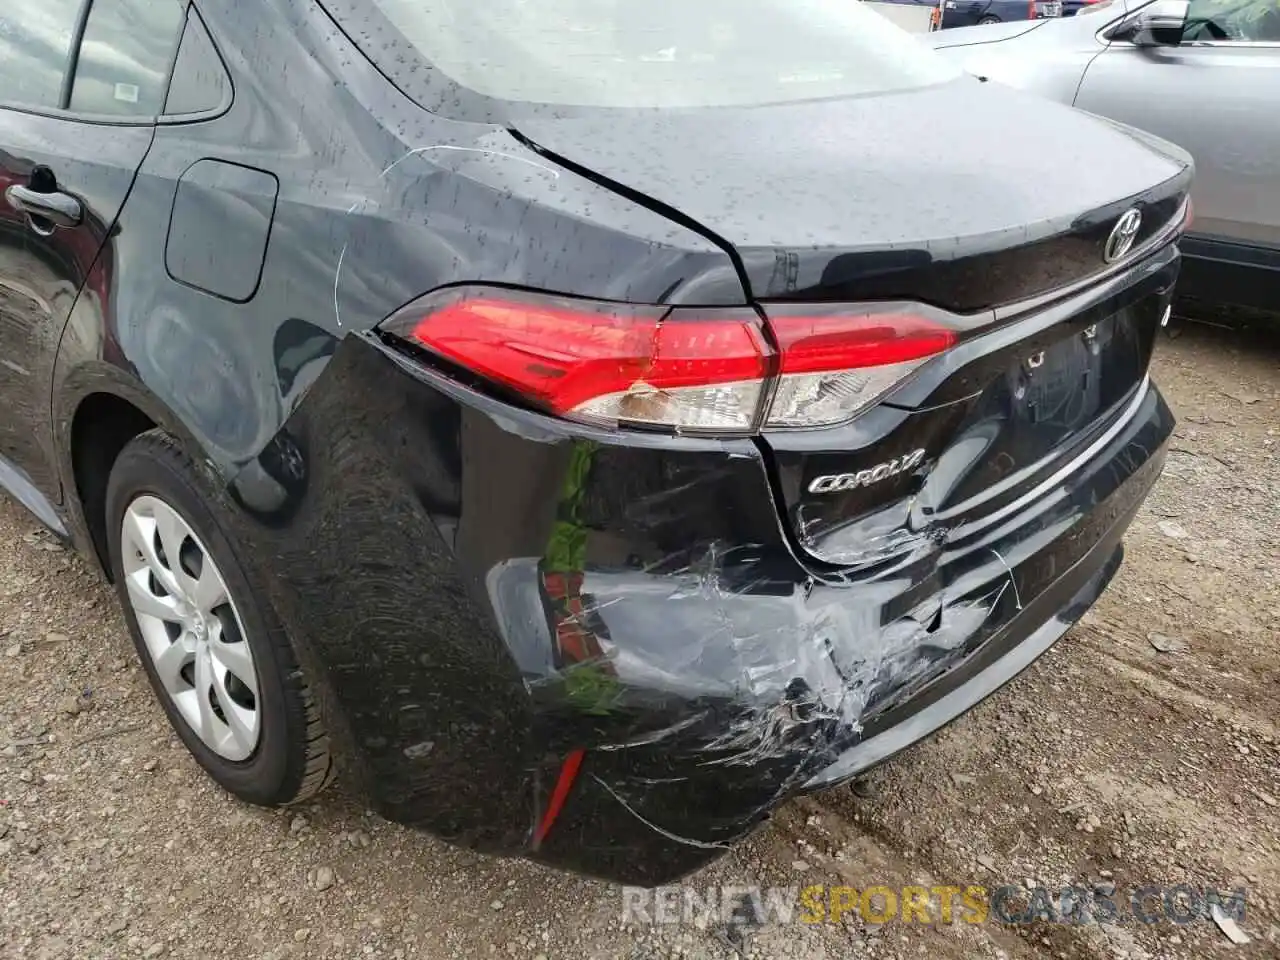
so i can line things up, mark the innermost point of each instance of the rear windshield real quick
(653, 53)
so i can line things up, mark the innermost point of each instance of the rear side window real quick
(123, 66)
(35, 39)
(641, 53)
(200, 83)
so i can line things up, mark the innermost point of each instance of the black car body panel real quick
(482, 592)
(43, 273)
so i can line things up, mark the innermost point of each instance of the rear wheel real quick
(988, 20)
(215, 653)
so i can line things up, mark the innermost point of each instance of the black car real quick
(1071, 7)
(586, 424)
(968, 13)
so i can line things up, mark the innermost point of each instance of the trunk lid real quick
(941, 194)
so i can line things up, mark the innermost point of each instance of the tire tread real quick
(315, 769)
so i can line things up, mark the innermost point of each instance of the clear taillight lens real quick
(821, 399)
(697, 370)
(703, 373)
(836, 362)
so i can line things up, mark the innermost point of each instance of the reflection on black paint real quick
(300, 349)
(581, 637)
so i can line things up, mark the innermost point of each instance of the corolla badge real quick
(1122, 235)
(838, 482)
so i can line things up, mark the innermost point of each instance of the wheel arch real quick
(97, 411)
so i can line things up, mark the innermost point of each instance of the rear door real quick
(80, 85)
(1218, 96)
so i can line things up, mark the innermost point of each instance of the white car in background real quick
(1203, 74)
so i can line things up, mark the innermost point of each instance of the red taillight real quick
(703, 369)
(553, 354)
(817, 344)
(835, 363)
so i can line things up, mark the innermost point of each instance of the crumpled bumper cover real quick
(483, 592)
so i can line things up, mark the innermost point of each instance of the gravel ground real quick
(1142, 749)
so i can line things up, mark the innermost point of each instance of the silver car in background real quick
(1203, 74)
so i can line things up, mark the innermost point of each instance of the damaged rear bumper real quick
(603, 652)
(810, 714)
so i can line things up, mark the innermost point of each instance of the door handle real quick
(60, 209)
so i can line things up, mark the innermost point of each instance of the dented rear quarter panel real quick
(341, 485)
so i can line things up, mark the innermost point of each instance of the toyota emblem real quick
(1122, 235)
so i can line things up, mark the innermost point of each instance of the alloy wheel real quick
(190, 628)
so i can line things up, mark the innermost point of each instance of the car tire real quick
(267, 743)
(988, 20)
